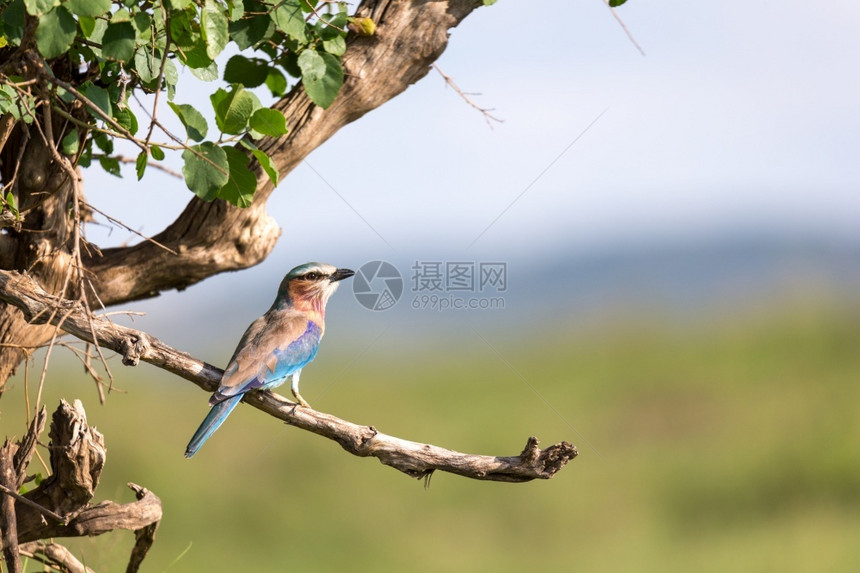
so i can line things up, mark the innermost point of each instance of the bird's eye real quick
(311, 276)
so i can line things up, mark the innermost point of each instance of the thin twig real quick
(99, 111)
(154, 164)
(129, 229)
(160, 80)
(488, 117)
(624, 27)
(44, 510)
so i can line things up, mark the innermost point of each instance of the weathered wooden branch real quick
(54, 555)
(8, 519)
(412, 458)
(60, 505)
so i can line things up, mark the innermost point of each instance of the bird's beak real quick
(340, 274)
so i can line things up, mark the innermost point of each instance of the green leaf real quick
(489, 2)
(97, 34)
(111, 165)
(195, 56)
(88, 8)
(264, 161)
(179, 4)
(39, 7)
(103, 142)
(146, 64)
(12, 203)
(250, 30)
(288, 18)
(233, 109)
(126, 118)
(276, 82)
(55, 33)
(312, 64)
(269, 122)
(140, 164)
(242, 183)
(194, 122)
(118, 41)
(206, 169)
(336, 46)
(206, 74)
(248, 72)
(98, 96)
(156, 153)
(14, 15)
(321, 88)
(121, 15)
(71, 143)
(616, 3)
(331, 25)
(142, 23)
(214, 25)
(171, 75)
(235, 10)
(88, 25)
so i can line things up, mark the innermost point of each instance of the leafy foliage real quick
(138, 46)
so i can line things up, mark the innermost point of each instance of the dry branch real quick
(55, 556)
(8, 520)
(60, 505)
(412, 458)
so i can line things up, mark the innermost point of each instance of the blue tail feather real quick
(211, 422)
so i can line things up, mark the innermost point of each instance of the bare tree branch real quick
(488, 117)
(412, 458)
(54, 555)
(77, 459)
(8, 519)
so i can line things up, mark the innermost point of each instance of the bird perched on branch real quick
(277, 345)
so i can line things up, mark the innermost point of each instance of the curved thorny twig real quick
(412, 458)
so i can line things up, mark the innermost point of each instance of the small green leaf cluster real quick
(124, 46)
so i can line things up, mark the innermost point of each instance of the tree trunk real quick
(40, 244)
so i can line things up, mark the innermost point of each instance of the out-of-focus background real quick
(680, 247)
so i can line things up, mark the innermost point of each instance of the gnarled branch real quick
(54, 555)
(412, 458)
(60, 505)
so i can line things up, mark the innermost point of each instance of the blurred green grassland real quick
(723, 444)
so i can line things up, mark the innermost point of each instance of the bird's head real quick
(308, 287)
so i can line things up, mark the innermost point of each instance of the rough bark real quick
(55, 556)
(412, 458)
(60, 505)
(8, 520)
(214, 237)
(39, 245)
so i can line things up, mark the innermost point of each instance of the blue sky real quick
(742, 116)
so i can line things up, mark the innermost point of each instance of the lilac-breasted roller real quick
(277, 345)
